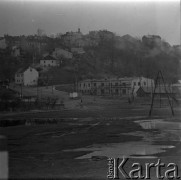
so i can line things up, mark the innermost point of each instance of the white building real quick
(27, 76)
(15, 52)
(125, 86)
(49, 61)
(77, 50)
(138, 82)
(58, 53)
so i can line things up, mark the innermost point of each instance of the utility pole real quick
(37, 90)
(52, 88)
(21, 91)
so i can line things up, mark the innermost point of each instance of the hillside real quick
(128, 56)
(112, 55)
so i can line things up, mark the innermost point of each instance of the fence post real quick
(3, 158)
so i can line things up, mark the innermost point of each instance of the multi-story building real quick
(151, 40)
(114, 86)
(27, 76)
(111, 86)
(15, 51)
(59, 53)
(77, 50)
(49, 61)
(73, 38)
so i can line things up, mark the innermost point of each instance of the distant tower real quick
(78, 30)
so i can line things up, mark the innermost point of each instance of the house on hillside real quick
(15, 51)
(49, 61)
(27, 76)
(77, 50)
(58, 53)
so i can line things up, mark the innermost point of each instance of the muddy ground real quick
(77, 144)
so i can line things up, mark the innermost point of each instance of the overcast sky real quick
(135, 18)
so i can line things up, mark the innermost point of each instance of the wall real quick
(30, 77)
(48, 63)
(60, 52)
(19, 79)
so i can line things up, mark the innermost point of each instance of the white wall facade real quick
(49, 63)
(19, 78)
(31, 77)
(27, 78)
(61, 52)
(141, 81)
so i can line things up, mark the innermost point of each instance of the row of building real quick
(115, 86)
(128, 87)
(124, 87)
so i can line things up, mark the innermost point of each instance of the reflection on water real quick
(122, 149)
(167, 131)
(159, 124)
(170, 129)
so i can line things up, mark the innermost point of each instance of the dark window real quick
(145, 83)
(116, 84)
(89, 84)
(102, 84)
(124, 91)
(94, 84)
(84, 84)
(102, 91)
(138, 83)
(124, 84)
(116, 91)
(134, 83)
(44, 61)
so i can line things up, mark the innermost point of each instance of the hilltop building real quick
(151, 41)
(59, 53)
(77, 50)
(73, 39)
(15, 51)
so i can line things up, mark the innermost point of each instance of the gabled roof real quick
(49, 57)
(23, 69)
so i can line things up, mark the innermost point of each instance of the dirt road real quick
(78, 144)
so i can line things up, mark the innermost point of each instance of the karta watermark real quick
(117, 168)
